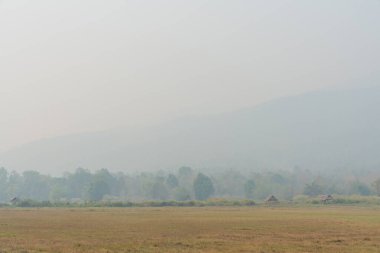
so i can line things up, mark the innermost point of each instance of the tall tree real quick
(249, 188)
(172, 181)
(313, 189)
(97, 190)
(79, 183)
(203, 187)
(376, 186)
(3, 184)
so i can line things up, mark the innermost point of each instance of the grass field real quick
(197, 229)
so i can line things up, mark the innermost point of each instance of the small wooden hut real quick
(326, 198)
(271, 200)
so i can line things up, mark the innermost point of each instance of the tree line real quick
(183, 184)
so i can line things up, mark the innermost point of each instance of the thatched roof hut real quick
(15, 200)
(271, 199)
(326, 198)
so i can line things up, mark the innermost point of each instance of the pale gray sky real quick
(73, 66)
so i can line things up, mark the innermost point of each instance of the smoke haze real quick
(80, 66)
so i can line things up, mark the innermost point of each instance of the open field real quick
(197, 229)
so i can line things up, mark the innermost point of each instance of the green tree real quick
(106, 176)
(249, 188)
(313, 189)
(159, 191)
(376, 186)
(229, 183)
(97, 190)
(35, 186)
(186, 178)
(14, 185)
(360, 188)
(56, 193)
(78, 183)
(58, 189)
(3, 184)
(172, 181)
(203, 187)
(181, 194)
(278, 179)
(185, 171)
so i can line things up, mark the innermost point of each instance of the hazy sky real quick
(72, 66)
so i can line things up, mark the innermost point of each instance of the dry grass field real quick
(198, 229)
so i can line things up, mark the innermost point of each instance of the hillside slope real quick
(322, 130)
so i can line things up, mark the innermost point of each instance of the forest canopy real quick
(183, 184)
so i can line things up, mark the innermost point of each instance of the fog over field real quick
(151, 85)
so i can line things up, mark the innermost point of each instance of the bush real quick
(192, 203)
(339, 200)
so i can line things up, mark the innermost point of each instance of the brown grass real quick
(208, 229)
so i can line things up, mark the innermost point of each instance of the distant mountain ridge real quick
(319, 130)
